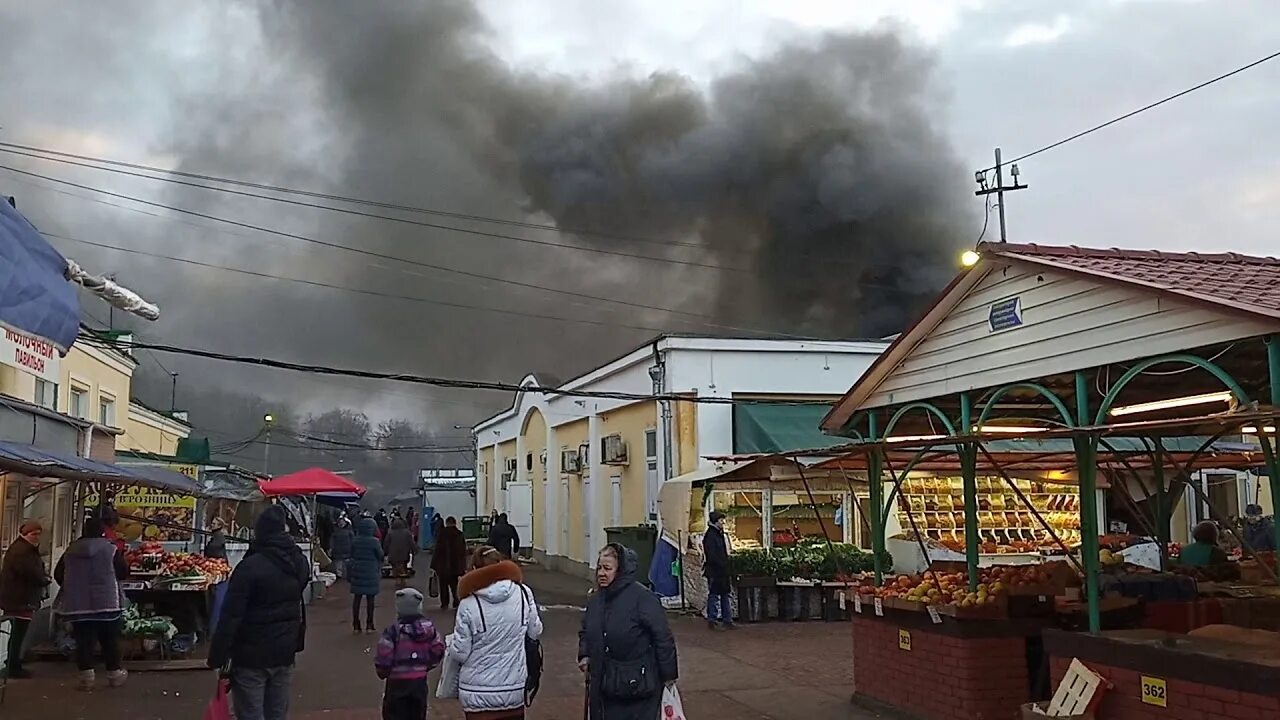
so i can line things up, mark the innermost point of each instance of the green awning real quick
(780, 428)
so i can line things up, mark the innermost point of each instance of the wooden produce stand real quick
(179, 587)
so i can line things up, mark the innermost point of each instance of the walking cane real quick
(586, 700)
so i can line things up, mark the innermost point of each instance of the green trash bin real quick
(475, 528)
(641, 539)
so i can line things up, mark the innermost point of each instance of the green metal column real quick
(969, 474)
(875, 487)
(1087, 469)
(1163, 511)
(1271, 444)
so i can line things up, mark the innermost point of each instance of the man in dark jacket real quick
(504, 537)
(449, 560)
(715, 568)
(263, 623)
(22, 583)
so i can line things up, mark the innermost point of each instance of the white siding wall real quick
(1069, 323)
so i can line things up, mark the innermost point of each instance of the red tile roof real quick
(1243, 282)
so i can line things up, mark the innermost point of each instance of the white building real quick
(564, 468)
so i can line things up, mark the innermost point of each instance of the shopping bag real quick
(449, 668)
(433, 585)
(219, 707)
(672, 709)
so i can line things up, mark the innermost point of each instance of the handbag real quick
(433, 585)
(627, 679)
(532, 656)
(219, 708)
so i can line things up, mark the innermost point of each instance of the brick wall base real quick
(944, 676)
(1184, 700)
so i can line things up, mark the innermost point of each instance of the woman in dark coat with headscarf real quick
(628, 672)
(364, 572)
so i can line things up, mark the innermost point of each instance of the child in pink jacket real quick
(407, 651)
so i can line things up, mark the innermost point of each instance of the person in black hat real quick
(263, 624)
(715, 568)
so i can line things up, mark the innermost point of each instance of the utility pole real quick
(173, 394)
(999, 189)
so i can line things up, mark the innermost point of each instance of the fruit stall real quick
(1045, 394)
(172, 596)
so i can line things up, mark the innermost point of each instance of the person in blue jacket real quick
(364, 573)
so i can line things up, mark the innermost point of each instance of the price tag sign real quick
(840, 597)
(879, 608)
(904, 640)
(1154, 692)
(934, 616)
(857, 603)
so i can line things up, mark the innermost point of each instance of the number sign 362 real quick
(1154, 691)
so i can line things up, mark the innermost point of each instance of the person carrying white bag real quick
(447, 688)
(672, 708)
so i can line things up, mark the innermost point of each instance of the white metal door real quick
(520, 510)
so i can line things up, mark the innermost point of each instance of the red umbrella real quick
(309, 482)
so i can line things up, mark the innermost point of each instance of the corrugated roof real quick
(1241, 282)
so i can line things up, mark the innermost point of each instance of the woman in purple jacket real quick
(89, 575)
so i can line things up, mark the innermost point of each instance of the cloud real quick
(1039, 33)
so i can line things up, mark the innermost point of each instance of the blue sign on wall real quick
(1005, 314)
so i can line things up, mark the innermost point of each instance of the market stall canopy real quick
(779, 428)
(37, 463)
(309, 482)
(166, 479)
(1057, 455)
(674, 499)
(35, 297)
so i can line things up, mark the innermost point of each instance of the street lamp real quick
(267, 419)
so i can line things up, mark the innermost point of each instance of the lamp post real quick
(266, 452)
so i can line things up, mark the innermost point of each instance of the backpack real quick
(532, 658)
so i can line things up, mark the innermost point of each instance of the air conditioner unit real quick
(569, 462)
(511, 465)
(613, 450)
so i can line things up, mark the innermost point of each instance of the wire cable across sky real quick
(457, 384)
(1140, 110)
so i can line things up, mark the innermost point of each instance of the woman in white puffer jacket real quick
(496, 612)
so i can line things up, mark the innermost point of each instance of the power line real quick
(1142, 109)
(360, 251)
(345, 288)
(376, 216)
(363, 449)
(12, 148)
(433, 381)
(860, 283)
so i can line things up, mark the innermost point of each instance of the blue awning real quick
(35, 295)
(33, 461)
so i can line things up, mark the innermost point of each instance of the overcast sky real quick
(1202, 173)
(148, 81)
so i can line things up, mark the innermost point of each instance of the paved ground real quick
(779, 671)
